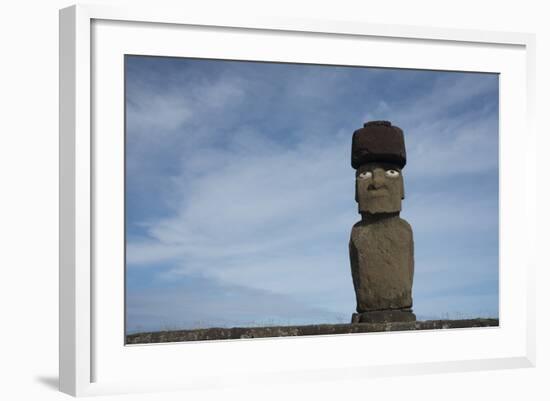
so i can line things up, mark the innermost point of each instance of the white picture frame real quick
(92, 350)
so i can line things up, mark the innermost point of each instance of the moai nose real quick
(378, 178)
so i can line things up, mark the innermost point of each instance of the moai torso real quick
(381, 244)
(382, 264)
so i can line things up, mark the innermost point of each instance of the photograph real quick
(269, 199)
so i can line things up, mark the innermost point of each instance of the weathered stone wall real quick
(311, 330)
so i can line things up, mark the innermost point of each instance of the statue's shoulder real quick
(362, 225)
(393, 227)
(362, 231)
(405, 228)
(404, 223)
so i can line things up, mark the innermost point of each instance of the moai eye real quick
(392, 173)
(364, 175)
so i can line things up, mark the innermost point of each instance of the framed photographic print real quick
(268, 200)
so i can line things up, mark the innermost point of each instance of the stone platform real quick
(385, 316)
(234, 333)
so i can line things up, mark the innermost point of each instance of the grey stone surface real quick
(382, 263)
(311, 330)
(384, 316)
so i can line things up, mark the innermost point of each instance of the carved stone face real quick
(379, 188)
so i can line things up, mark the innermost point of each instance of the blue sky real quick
(240, 193)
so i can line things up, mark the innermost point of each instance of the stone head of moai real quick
(381, 244)
(378, 155)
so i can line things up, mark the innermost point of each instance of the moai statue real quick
(381, 244)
